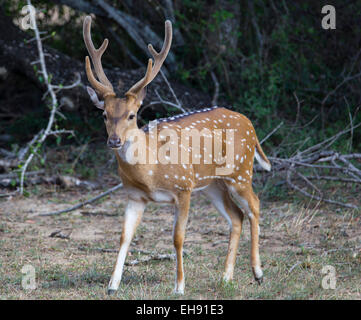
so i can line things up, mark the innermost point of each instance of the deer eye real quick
(131, 117)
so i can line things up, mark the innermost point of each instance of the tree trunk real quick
(16, 55)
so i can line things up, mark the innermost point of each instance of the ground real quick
(296, 243)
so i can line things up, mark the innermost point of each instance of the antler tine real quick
(158, 57)
(103, 86)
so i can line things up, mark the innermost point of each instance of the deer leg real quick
(225, 206)
(250, 204)
(236, 215)
(254, 220)
(180, 222)
(133, 215)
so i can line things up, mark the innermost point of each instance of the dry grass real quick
(297, 241)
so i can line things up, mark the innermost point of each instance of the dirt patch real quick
(296, 238)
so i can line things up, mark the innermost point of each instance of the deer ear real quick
(94, 98)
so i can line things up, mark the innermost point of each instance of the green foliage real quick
(296, 58)
(265, 56)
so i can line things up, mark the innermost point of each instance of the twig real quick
(15, 175)
(7, 153)
(150, 258)
(339, 249)
(308, 182)
(216, 88)
(82, 204)
(346, 79)
(351, 123)
(113, 250)
(330, 140)
(70, 86)
(294, 266)
(3, 195)
(298, 108)
(272, 132)
(160, 101)
(214, 78)
(97, 249)
(334, 179)
(305, 193)
(350, 166)
(257, 29)
(172, 91)
(60, 234)
(61, 131)
(176, 105)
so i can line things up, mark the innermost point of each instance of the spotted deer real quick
(226, 137)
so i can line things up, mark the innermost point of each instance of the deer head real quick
(120, 114)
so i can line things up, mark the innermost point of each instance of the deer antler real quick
(103, 86)
(158, 57)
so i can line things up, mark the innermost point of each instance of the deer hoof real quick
(111, 292)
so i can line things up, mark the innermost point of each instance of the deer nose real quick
(114, 142)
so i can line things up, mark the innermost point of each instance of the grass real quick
(296, 241)
(84, 280)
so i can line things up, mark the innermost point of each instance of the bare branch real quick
(305, 193)
(82, 204)
(216, 88)
(172, 91)
(271, 133)
(38, 140)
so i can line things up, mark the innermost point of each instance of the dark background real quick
(272, 60)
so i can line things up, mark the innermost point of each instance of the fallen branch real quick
(60, 234)
(37, 177)
(82, 204)
(10, 194)
(15, 175)
(97, 249)
(294, 266)
(325, 253)
(314, 197)
(340, 179)
(8, 164)
(328, 142)
(7, 153)
(31, 180)
(318, 163)
(150, 258)
(113, 250)
(69, 182)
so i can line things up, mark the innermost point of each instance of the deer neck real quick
(131, 172)
(122, 154)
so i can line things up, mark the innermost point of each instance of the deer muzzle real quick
(114, 142)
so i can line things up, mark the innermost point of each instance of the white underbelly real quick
(162, 196)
